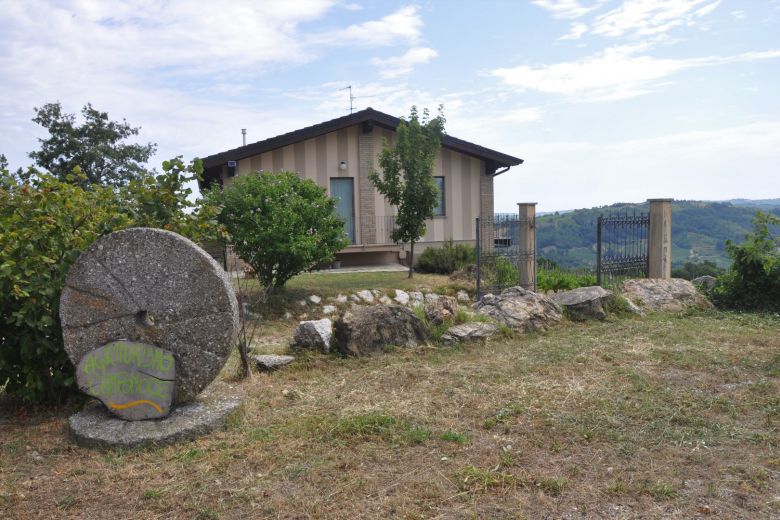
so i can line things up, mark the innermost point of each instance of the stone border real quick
(96, 427)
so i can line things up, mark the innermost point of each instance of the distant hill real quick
(757, 203)
(699, 230)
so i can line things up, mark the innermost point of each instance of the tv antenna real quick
(352, 98)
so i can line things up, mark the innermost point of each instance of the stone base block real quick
(95, 426)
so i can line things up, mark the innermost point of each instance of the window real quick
(438, 211)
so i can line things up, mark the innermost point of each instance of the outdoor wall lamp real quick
(343, 165)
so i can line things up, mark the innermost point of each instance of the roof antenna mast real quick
(351, 98)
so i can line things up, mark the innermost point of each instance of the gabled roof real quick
(494, 159)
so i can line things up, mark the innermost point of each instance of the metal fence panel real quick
(621, 247)
(499, 252)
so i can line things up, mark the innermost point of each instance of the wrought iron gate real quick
(621, 247)
(499, 252)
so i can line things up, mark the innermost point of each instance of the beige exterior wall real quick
(468, 191)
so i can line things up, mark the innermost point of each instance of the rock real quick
(363, 330)
(315, 299)
(366, 295)
(705, 283)
(416, 296)
(431, 297)
(468, 332)
(271, 362)
(463, 296)
(95, 427)
(328, 309)
(377, 293)
(155, 287)
(402, 297)
(341, 299)
(287, 315)
(134, 380)
(438, 310)
(384, 300)
(655, 294)
(355, 298)
(314, 334)
(584, 303)
(520, 309)
(302, 303)
(34, 455)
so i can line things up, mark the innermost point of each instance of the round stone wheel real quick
(152, 286)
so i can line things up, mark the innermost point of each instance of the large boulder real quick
(316, 334)
(584, 303)
(705, 283)
(520, 309)
(470, 331)
(439, 309)
(655, 294)
(363, 330)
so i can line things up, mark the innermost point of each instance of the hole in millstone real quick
(144, 318)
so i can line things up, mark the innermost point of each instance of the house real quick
(339, 154)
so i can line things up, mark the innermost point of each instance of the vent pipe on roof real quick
(243, 135)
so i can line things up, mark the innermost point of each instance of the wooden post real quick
(526, 262)
(659, 239)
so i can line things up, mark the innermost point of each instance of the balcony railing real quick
(376, 231)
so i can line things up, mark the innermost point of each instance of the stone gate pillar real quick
(659, 239)
(526, 261)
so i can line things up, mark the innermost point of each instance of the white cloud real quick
(404, 25)
(651, 17)
(617, 72)
(522, 115)
(575, 32)
(402, 65)
(702, 164)
(566, 8)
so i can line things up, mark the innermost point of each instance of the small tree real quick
(753, 280)
(279, 224)
(97, 146)
(406, 176)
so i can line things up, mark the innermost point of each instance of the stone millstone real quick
(94, 427)
(134, 380)
(155, 287)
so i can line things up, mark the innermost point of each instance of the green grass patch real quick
(553, 486)
(474, 479)
(458, 438)
(372, 426)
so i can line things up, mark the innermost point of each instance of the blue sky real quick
(606, 100)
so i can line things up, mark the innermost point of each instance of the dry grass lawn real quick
(670, 416)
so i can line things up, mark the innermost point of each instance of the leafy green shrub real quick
(46, 224)
(446, 259)
(753, 280)
(691, 270)
(279, 224)
(562, 280)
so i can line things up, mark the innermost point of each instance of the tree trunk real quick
(243, 350)
(411, 258)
